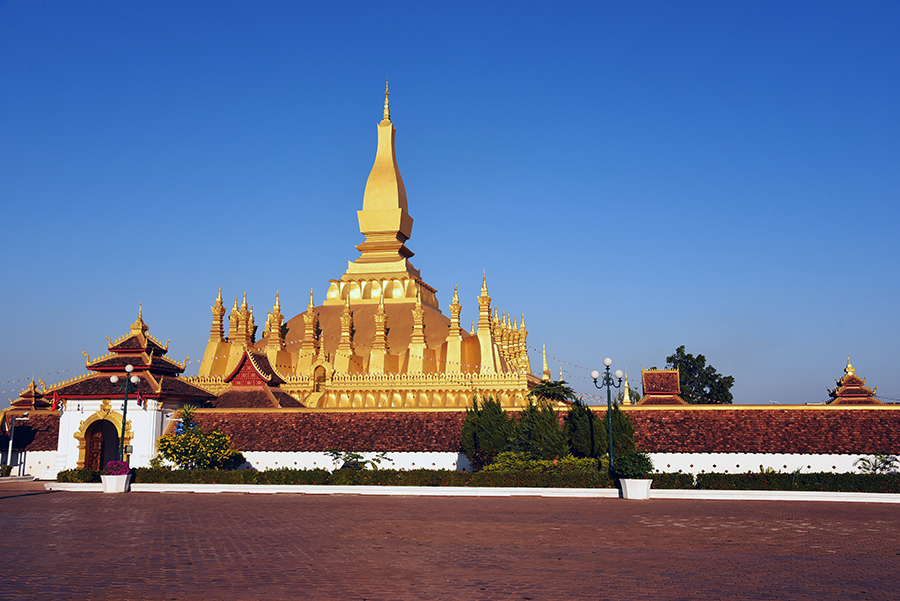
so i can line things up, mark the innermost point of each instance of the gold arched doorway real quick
(104, 414)
(319, 377)
(101, 444)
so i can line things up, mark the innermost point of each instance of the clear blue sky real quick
(631, 176)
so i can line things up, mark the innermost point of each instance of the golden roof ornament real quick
(387, 110)
(311, 304)
(139, 327)
(849, 370)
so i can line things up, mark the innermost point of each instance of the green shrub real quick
(5, 471)
(538, 433)
(78, 476)
(510, 461)
(635, 464)
(879, 463)
(486, 432)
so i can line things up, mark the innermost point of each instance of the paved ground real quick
(57, 545)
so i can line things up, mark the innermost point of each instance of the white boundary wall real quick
(741, 463)
(266, 460)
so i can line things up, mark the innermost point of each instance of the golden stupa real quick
(379, 340)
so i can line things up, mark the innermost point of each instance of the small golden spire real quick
(244, 302)
(311, 304)
(455, 295)
(484, 290)
(523, 321)
(277, 302)
(234, 308)
(141, 317)
(849, 370)
(472, 331)
(626, 394)
(387, 110)
(546, 369)
(219, 297)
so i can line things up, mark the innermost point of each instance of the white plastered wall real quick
(263, 460)
(696, 463)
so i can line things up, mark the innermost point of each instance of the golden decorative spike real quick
(311, 304)
(244, 302)
(455, 295)
(523, 321)
(234, 308)
(387, 111)
(219, 297)
(484, 289)
(277, 302)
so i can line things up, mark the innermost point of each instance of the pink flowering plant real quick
(116, 468)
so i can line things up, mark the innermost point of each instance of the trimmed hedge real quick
(846, 482)
(672, 481)
(420, 477)
(83, 475)
(849, 482)
(5, 471)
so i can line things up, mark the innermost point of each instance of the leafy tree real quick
(487, 431)
(700, 383)
(585, 433)
(538, 433)
(554, 392)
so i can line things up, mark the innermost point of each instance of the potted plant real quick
(633, 471)
(116, 477)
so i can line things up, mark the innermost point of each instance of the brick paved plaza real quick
(60, 545)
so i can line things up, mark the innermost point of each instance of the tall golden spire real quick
(384, 219)
(387, 110)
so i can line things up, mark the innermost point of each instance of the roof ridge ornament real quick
(387, 110)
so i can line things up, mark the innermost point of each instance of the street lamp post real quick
(608, 382)
(12, 429)
(128, 385)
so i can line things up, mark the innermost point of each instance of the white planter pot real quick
(116, 483)
(635, 489)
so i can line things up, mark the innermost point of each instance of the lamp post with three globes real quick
(128, 385)
(608, 382)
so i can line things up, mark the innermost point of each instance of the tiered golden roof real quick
(379, 339)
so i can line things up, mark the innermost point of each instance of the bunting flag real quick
(55, 401)
(140, 399)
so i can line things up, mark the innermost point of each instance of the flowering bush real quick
(193, 448)
(116, 468)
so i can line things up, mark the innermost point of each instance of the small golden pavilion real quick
(380, 339)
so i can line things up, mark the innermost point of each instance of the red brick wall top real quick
(349, 431)
(732, 430)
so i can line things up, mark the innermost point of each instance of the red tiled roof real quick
(155, 363)
(254, 397)
(350, 431)
(663, 381)
(134, 342)
(39, 433)
(661, 399)
(767, 431)
(99, 385)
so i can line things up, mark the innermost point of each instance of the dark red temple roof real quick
(254, 369)
(162, 387)
(661, 387)
(850, 389)
(39, 433)
(254, 397)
